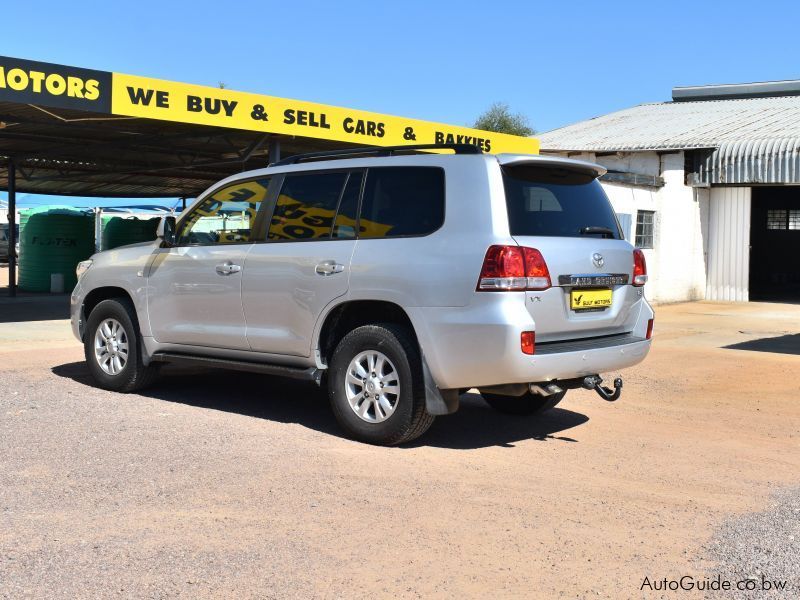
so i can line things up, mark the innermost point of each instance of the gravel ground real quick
(762, 547)
(214, 484)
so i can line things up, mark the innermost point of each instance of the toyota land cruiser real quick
(397, 278)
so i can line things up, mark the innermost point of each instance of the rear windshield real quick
(557, 202)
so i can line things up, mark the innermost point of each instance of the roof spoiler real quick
(512, 160)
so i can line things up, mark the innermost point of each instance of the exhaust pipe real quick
(547, 389)
(592, 382)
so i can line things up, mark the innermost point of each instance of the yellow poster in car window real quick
(294, 220)
(150, 98)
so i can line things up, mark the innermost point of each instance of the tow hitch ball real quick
(593, 383)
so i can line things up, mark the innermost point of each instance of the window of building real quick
(225, 217)
(401, 201)
(645, 228)
(776, 219)
(306, 206)
(781, 219)
(794, 219)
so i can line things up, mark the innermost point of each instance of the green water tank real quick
(120, 231)
(52, 241)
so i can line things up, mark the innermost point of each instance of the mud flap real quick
(437, 402)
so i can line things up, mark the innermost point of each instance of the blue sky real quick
(556, 62)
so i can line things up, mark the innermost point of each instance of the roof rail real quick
(373, 151)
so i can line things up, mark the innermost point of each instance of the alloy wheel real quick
(372, 386)
(111, 346)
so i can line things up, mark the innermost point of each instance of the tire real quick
(383, 417)
(127, 373)
(527, 404)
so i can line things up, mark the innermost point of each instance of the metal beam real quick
(274, 149)
(12, 222)
(633, 179)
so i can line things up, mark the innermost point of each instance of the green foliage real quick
(499, 118)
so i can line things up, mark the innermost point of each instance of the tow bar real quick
(593, 383)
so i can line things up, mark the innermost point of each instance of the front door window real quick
(228, 216)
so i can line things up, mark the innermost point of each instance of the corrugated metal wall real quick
(728, 244)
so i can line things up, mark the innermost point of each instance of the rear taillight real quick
(527, 342)
(639, 268)
(513, 268)
(536, 269)
(649, 329)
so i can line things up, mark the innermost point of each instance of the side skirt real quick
(307, 373)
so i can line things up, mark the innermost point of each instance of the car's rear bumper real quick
(480, 346)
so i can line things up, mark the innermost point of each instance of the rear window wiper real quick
(597, 230)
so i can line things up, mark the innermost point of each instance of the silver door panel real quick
(191, 302)
(286, 286)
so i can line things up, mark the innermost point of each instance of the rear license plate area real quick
(590, 300)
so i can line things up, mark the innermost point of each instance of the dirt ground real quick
(221, 484)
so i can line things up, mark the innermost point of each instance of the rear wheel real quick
(527, 404)
(375, 385)
(112, 346)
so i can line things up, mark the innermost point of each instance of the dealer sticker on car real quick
(590, 299)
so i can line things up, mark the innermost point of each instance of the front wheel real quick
(375, 385)
(527, 404)
(112, 347)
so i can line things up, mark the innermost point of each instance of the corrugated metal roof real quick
(750, 161)
(681, 125)
(76, 153)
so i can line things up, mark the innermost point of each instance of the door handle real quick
(228, 268)
(328, 267)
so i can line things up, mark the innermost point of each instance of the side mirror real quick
(166, 230)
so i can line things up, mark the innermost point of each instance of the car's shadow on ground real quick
(475, 425)
(784, 344)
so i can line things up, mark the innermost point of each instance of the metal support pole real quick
(183, 203)
(274, 149)
(98, 229)
(12, 226)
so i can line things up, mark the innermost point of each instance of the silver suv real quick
(397, 278)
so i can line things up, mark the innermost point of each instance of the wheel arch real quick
(348, 315)
(97, 295)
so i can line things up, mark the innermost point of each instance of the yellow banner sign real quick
(61, 86)
(149, 98)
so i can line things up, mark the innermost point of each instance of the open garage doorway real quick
(775, 244)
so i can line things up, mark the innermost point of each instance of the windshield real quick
(557, 202)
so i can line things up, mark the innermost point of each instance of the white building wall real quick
(680, 272)
(677, 262)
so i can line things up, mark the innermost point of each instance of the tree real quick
(499, 118)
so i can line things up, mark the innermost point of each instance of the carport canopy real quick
(79, 132)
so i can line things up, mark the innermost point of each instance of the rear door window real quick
(346, 224)
(306, 206)
(557, 202)
(402, 201)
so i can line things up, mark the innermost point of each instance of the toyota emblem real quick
(598, 260)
